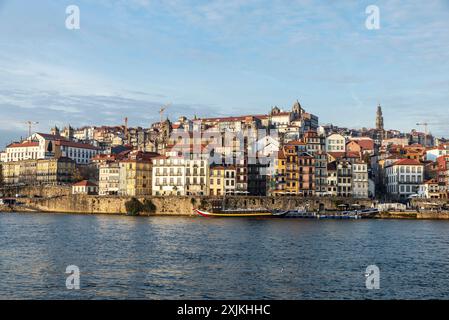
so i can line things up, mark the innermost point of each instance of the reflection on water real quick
(196, 258)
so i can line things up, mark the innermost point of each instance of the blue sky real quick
(222, 57)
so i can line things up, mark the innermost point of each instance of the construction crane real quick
(30, 125)
(161, 111)
(426, 132)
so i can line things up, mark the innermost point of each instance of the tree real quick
(148, 206)
(50, 147)
(134, 207)
(203, 204)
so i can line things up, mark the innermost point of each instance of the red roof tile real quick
(85, 183)
(337, 155)
(296, 143)
(366, 144)
(75, 144)
(51, 136)
(407, 162)
(25, 144)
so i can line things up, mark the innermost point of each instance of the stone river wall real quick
(36, 191)
(182, 205)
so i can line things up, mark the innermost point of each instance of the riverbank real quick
(183, 205)
(57, 199)
(166, 211)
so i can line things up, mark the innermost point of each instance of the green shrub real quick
(134, 207)
(203, 204)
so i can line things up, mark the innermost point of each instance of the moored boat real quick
(301, 214)
(323, 215)
(241, 213)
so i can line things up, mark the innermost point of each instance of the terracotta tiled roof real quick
(50, 136)
(337, 155)
(296, 143)
(366, 144)
(104, 157)
(85, 183)
(281, 114)
(75, 144)
(393, 157)
(237, 118)
(25, 144)
(160, 157)
(137, 160)
(407, 162)
(352, 154)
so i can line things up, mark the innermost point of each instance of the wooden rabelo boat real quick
(241, 213)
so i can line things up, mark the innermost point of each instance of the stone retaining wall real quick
(183, 205)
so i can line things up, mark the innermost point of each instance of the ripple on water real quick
(194, 258)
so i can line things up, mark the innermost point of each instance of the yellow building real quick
(217, 181)
(135, 177)
(39, 172)
(11, 172)
(55, 171)
(291, 169)
(222, 180)
(277, 180)
(294, 171)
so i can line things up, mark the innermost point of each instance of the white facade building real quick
(109, 178)
(360, 184)
(436, 152)
(180, 176)
(81, 153)
(46, 146)
(335, 143)
(403, 178)
(429, 190)
(26, 150)
(85, 187)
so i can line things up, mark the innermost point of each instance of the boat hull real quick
(237, 214)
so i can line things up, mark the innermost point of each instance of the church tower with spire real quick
(380, 122)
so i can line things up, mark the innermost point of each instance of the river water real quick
(123, 257)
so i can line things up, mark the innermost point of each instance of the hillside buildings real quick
(281, 153)
(46, 146)
(39, 172)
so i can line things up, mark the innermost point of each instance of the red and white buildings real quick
(85, 187)
(47, 146)
(429, 189)
(433, 153)
(18, 151)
